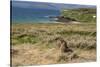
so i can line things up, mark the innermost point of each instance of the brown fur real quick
(62, 45)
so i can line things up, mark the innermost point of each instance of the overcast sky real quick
(87, 2)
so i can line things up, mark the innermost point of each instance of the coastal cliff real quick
(79, 15)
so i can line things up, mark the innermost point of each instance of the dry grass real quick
(35, 43)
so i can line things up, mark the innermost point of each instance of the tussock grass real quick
(35, 43)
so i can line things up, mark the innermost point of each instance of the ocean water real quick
(32, 15)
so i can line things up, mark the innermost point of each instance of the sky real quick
(43, 5)
(84, 2)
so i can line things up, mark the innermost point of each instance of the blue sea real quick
(33, 15)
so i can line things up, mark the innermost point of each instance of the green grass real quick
(36, 43)
(81, 14)
(46, 33)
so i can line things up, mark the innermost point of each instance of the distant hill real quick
(81, 14)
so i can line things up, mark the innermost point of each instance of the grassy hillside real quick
(35, 43)
(81, 14)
